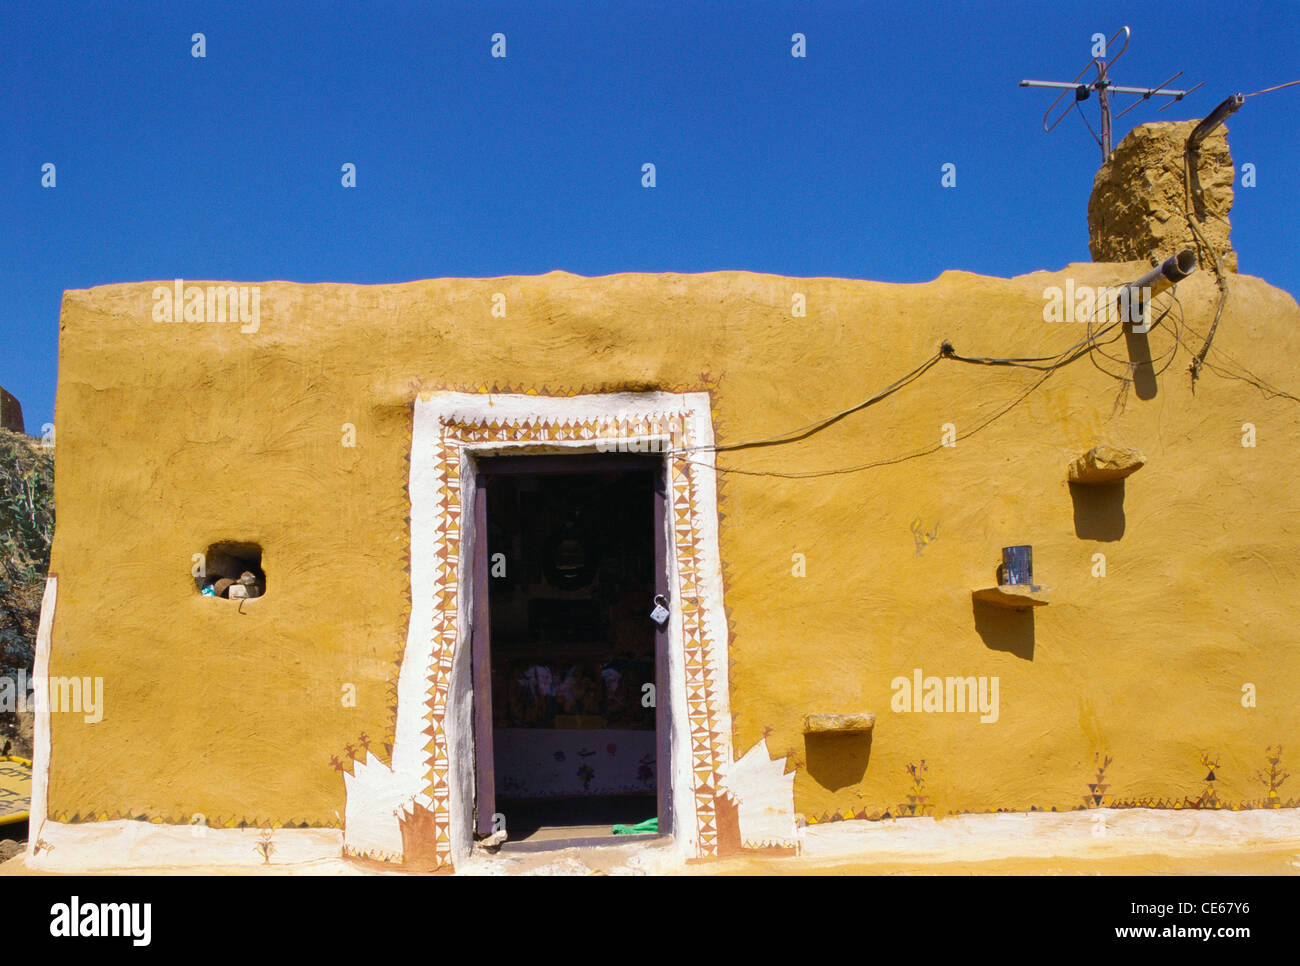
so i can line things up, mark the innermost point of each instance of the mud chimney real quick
(1143, 197)
(11, 413)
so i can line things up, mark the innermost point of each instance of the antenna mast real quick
(1102, 85)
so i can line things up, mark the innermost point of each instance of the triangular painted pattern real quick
(706, 740)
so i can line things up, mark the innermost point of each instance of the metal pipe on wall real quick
(1164, 276)
(1213, 120)
(1134, 296)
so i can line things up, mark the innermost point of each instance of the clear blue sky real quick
(228, 167)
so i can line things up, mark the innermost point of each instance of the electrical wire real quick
(1069, 355)
(924, 451)
(1198, 359)
(1089, 127)
(946, 351)
(803, 432)
(1278, 88)
(1091, 346)
(1127, 365)
(1245, 375)
(1026, 362)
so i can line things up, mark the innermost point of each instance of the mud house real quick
(547, 554)
(11, 412)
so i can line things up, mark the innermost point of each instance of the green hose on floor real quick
(641, 828)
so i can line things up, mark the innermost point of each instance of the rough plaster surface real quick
(1143, 197)
(175, 436)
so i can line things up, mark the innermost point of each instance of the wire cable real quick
(1198, 359)
(1088, 346)
(924, 451)
(1278, 88)
(1245, 375)
(1089, 127)
(803, 432)
(946, 351)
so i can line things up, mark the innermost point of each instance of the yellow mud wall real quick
(174, 436)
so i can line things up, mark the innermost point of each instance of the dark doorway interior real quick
(571, 561)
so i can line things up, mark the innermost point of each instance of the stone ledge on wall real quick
(838, 723)
(1106, 464)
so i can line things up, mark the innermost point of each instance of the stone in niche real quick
(1106, 464)
(814, 724)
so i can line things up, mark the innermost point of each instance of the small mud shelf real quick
(1105, 464)
(839, 724)
(1015, 596)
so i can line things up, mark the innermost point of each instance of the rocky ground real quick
(15, 739)
(16, 734)
(13, 841)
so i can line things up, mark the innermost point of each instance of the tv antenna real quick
(1102, 85)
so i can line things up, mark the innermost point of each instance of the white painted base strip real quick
(41, 736)
(1093, 834)
(124, 844)
(1088, 833)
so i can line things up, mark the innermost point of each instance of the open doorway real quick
(569, 648)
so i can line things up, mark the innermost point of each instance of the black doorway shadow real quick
(1098, 510)
(1139, 355)
(1005, 629)
(837, 760)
